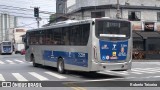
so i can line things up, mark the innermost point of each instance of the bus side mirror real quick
(24, 40)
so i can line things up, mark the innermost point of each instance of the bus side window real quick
(65, 36)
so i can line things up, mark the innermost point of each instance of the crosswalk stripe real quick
(106, 73)
(136, 72)
(11, 62)
(143, 71)
(2, 62)
(19, 61)
(1, 78)
(147, 63)
(153, 71)
(155, 68)
(55, 75)
(156, 76)
(40, 77)
(19, 77)
(118, 72)
(148, 70)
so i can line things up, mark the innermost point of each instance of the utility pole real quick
(38, 19)
(118, 10)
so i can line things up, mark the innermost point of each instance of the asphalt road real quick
(15, 68)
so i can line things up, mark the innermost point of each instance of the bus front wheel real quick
(60, 66)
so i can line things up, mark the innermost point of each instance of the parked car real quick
(23, 52)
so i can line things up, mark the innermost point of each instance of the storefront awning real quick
(137, 37)
(146, 35)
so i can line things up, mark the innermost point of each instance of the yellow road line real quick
(74, 86)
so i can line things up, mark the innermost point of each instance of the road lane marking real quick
(147, 70)
(152, 70)
(55, 75)
(157, 68)
(10, 62)
(19, 61)
(19, 77)
(156, 76)
(2, 62)
(118, 72)
(1, 78)
(149, 77)
(36, 75)
(142, 71)
(136, 72)
(146, 62)
(74, 86)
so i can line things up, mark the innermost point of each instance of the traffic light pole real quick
(38, 24)
(36, 14)
(38, 19)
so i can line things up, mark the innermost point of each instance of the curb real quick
(145, 60)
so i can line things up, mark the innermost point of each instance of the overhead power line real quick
(20, 26)
(15, 12)
(31, 17)
(22, 9)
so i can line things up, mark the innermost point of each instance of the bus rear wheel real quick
(60, 66)
(33, 60)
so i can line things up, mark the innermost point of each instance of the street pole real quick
(118, 10)
(38, 24)
(38, 19)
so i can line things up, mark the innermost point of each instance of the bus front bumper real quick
(113, 66)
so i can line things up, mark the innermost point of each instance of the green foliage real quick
(51, 18)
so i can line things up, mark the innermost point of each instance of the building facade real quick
(85, 3)
(82, 9)
(17, 35)
(61, 6)
(144, 15)
(7, 24)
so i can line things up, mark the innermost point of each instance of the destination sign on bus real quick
(6, 43)
(113, 24)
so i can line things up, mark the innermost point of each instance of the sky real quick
(23, 9)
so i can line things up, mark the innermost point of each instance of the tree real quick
(52, 18)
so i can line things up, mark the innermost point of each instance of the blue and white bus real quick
(6, 47)
(85, 45)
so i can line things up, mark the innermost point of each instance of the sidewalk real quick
(145, 60)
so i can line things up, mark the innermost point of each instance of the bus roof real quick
(73, 22)
(63, 23)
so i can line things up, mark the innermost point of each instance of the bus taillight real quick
(95, 52)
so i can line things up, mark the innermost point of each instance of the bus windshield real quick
(6, 43)
(112, 30)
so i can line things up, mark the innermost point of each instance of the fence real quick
(138, 54)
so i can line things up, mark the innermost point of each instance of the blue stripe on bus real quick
(73, 58)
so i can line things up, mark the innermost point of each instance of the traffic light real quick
(36, 12)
